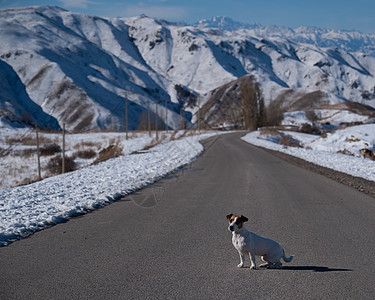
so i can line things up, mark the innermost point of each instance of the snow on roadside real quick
(323, 151)
(27, 209)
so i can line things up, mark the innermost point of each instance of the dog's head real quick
(236, 222)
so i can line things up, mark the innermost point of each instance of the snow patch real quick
(328, 151)
(27, 209)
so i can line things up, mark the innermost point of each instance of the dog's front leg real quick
(242, 258)
(252, 259)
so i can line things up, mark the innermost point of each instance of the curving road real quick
(170, 241)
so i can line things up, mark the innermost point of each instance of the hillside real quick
(78, 68)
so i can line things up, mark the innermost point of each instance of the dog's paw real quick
(240, 265)
(253, 268)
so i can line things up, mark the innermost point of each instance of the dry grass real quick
(84, 144)
(186, 133)
(29, 140)
(353, 139)
(111, 151)
(286, 139)
(346, 152)
(289, 141)
(173, 136)
(27, 181)
(152, 144)
(192, 133)
(270, 131)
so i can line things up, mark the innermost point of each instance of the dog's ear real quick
(229, 216)
(244, 219)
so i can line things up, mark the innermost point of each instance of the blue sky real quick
(337, 14)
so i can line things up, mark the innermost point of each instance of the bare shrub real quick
(85, 154)
(346, 152)
(289, 141)
(309, 129)
(26, 153)
(367, 153)
(54, 166)
(2, 151)
(50, 149)
(111, 151)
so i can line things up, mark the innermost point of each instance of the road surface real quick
(170, 241)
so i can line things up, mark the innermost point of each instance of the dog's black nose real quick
(231, 228)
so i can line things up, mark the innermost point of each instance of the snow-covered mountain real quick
(78, 68)
(350, 41)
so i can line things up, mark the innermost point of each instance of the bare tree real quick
(275, 113)
(252, 101)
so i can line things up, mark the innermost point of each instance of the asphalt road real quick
(170, 241)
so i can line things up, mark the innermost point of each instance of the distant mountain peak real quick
(224, 23)
(349, 40)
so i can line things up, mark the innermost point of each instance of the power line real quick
(16, 143)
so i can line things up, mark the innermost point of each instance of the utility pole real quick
(166, 115)
(148, 118)
(126, 116)
(198, 115)
(63, 149)
(182, 119)
(157, 121)
(38, 151)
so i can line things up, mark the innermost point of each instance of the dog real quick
(247, 242)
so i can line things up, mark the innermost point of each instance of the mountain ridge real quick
(353, 40)
(79, 68)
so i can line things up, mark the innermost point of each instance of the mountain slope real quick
(15, 104)
(79, 68)
(65, 63)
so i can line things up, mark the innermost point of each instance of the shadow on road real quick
(314, 269)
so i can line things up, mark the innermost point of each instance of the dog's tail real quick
(287, 259)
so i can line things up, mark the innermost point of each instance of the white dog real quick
(247, 242)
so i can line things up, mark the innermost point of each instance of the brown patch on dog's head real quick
(240, 219)
(230, 217)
